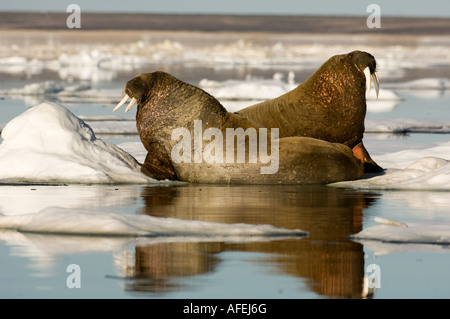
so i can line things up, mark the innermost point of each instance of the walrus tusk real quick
(133, 102)
(125, 98)
(376, 83)
(369, 78)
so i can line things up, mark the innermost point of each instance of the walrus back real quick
(330, 105)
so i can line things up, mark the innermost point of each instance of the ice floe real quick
(47, 143)
(428, 173)
(405, 125)
(424, 232)
(77, 222)
(423, 84)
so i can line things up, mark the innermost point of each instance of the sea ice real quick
(75, 222)
(428, 173)
(49, 144)
(413, 232)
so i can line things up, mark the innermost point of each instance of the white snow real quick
(19, 64)
(78, 222)
(423, 84)
(250, 88)
(49, 144)
(412, 232)
(40, 88)
(404, 125)
(220, 50)
(424, 169)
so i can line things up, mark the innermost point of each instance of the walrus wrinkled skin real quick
(165, 103)
(330, 105)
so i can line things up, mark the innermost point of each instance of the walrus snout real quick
(136, 89)
(368, 65)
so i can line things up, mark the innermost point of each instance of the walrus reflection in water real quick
(165, 103)
(330, 105)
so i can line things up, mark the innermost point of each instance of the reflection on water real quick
(332, 265)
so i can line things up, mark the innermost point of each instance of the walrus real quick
(330, 105)
(168, 108)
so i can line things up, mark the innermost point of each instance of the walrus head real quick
(368, 65)
(136, 89)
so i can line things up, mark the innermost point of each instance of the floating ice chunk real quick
(49, 144)
(429, 173)
(41, 88)
(383, 95)
(423, 84)
(18, 64)
(250, 88)
(75, 222)
(406, 125)
(380, 106)
(413, 232)
(405, 158)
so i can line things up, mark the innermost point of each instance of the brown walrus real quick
(330, 105)
(168, 108)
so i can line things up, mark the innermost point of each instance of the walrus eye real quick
(369, 78)
(125, 98)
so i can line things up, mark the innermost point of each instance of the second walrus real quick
(330, 105)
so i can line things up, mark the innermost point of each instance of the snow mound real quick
(49, 144)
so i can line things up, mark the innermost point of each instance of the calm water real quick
(326, 264)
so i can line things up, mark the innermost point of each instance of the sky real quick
(427, 8)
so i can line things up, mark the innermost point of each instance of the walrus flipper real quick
(158, 164)
(362, 154)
